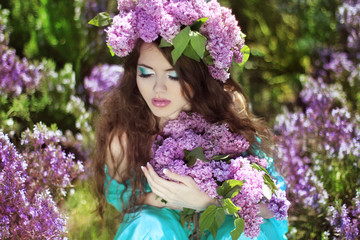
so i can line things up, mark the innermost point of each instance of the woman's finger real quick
(187, 180)
(169, 185)
(154, 187)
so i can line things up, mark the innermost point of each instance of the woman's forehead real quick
(151, 56)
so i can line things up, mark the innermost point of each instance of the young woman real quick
(152, 91)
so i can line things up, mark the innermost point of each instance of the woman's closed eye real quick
(145, 72)
(173, 75)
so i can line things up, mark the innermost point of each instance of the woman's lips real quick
(160, 102)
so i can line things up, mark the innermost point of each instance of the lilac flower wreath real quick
(199, 29)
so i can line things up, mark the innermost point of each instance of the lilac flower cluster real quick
(191, 131)
(279, 204)
(344, 64)
(17, 75)
(101, 79)
(349, 15)
(149, 19)
(48, 165)
(25, 213)
(249, 196)
(345, 221)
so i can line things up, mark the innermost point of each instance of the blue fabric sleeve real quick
(280, 226)
(114, 189)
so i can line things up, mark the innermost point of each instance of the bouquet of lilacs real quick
(217, 160)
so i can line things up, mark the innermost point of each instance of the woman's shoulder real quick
(116, 157)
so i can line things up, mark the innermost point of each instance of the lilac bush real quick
(320, 144)
(48, 165)
(32, 92)
(16, 75)
(27, 209)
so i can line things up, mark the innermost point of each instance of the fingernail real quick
(142, 168)
(165, 171)
(148, 164)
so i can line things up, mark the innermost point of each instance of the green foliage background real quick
(284, 38)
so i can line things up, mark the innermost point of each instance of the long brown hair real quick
(124, 111)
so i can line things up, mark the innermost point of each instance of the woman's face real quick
(158, 84)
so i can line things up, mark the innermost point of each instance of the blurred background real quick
(302, 77)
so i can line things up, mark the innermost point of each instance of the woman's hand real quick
(265, 212)
(184, 193)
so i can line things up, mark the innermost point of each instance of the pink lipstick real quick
(160, 102)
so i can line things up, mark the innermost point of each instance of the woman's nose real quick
(160, 85)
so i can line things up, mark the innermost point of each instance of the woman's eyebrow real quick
(144, 65)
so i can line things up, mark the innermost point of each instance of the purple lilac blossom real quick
(279, 205)
(122, 34)
(168, 27)
(250, 195)
(191, 130)
(345, 224)
(349, 16)
(48, 165)
(183, 12)
(152, 7)
(17, 75)
(24, 213)
(126, 5)
(147, 25)
(102, 78)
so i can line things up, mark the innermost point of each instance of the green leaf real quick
(164, 43)
(222, 157)
(258, 167)
(186, 215)
(176, 54)
(164, 201)
(230, 188)
(101, 20)
(190, 52)
(212, 218)
(180, 42)
(246, 50)
(193, 155)
(53, 127)
(111, 50)
(239, 228)
(20, 108)
(267, 178)
(198, 24)
(208, 59)
(198, 42)
(229, 206)
(219, 219)
(207, 218)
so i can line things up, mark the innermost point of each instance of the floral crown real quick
(199, 29)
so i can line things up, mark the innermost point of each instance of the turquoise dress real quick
(164, 223)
